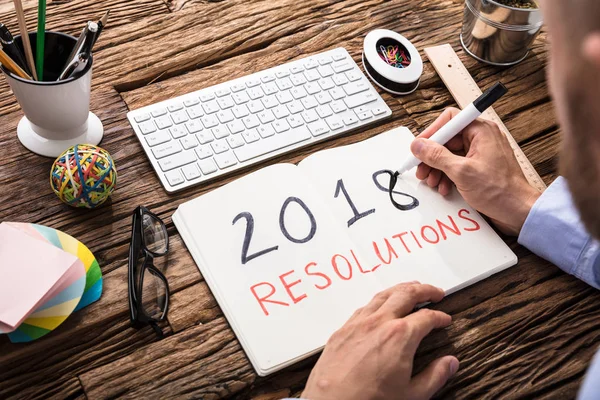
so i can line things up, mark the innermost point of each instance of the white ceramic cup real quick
(57, 113)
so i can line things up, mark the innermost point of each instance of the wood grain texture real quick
(527, 332)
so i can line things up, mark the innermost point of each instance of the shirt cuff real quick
(553, 230)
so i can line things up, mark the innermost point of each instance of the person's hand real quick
(371, 356)
(482, 165)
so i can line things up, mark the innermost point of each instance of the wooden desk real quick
(527, 332)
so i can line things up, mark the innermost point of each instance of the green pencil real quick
(41, 37)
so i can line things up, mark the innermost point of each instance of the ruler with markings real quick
(463, 88)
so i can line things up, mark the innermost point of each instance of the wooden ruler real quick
(464, 90)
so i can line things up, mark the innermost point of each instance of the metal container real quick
(497, 34)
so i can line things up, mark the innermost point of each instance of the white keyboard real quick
(211, 132)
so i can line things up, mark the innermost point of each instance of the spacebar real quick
(270, 144)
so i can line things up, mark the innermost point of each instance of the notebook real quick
(291, 251)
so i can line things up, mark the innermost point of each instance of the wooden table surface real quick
(529, 331)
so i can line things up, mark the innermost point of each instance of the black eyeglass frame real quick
(138, 248)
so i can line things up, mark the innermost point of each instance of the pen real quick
(76, 48)
(85, 41)
(90, 39)
(101, 24)
(469, 114)
(8, 43)
(12, 66)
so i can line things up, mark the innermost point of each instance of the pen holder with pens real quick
(57, 113)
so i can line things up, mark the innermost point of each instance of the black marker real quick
(10, 48)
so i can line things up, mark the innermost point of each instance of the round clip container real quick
(391, 79)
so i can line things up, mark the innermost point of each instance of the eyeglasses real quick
(148, 287)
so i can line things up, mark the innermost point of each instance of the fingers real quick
(423, 322)
(383, 296)
(423, 171)
(403, 299)
(442, 120)
(434, 178)
(435, 155)
(445, 186)
(434, 377)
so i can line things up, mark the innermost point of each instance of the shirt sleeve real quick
(553, 230)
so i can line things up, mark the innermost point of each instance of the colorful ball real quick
(84, 176)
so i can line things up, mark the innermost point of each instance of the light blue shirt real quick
(553, 230)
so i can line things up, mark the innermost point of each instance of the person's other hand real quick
(371, 356)
(482, 165)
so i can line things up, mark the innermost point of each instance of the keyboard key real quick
(296, 69)
(210, 107)
(340, 79)
(237, 87)
(295, 121)
(353, 75)
(378, 111)
(253, 82)
(240, 98)
(191, 172)
(298, 79)
(225, 160)
(225, 102)
(356, 87)
(209, 121)
(281, 126)
(235, 126)
(250, 135)
(309, 102)
(338, 106)
(298, 92)
(325, 60)
(342, 66)
(205, 137)
(220, 132)
(284, 84)
(189, 142)
(251, 121)
(337, 93)
(157, 138)
(177, 160)
(178, 131)
(219, 146)
(284, 97)
(207, 167)
(339, 56)
(269, 101)
(318, 128)
(174, 178)
(334, 122)
(266, 116)
(268, 78)
(222, 92)
(309, 116)
(326, 83)
(158, 112)
(282, 74)
(235, 141)
(270, 88)
(265, 131)
(255, 106)
(191, 102)
(163, 122)
(147, 127)
(350, 120)
(179, 117)
(225, 116)
(204, 152)
(323, 98)
(175, 107)
(207, 96)
(364, 115)
(360, 99)
(142, 118)
(312, 75)
(324, 111)
(312, 88)
(193, 126)
(311, 63)
(165, 150)
(255, 93)
(195, 112)
(295, 107)
(241, 110)
(325, 71)
(271, 144)
(280, 112)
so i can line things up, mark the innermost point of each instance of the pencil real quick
(41, 38)
(12, 66)
(25, 37)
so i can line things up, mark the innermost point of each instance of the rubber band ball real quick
(83, 176)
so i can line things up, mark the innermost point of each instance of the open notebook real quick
(291, 251)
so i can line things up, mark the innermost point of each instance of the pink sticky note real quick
(30, 269)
